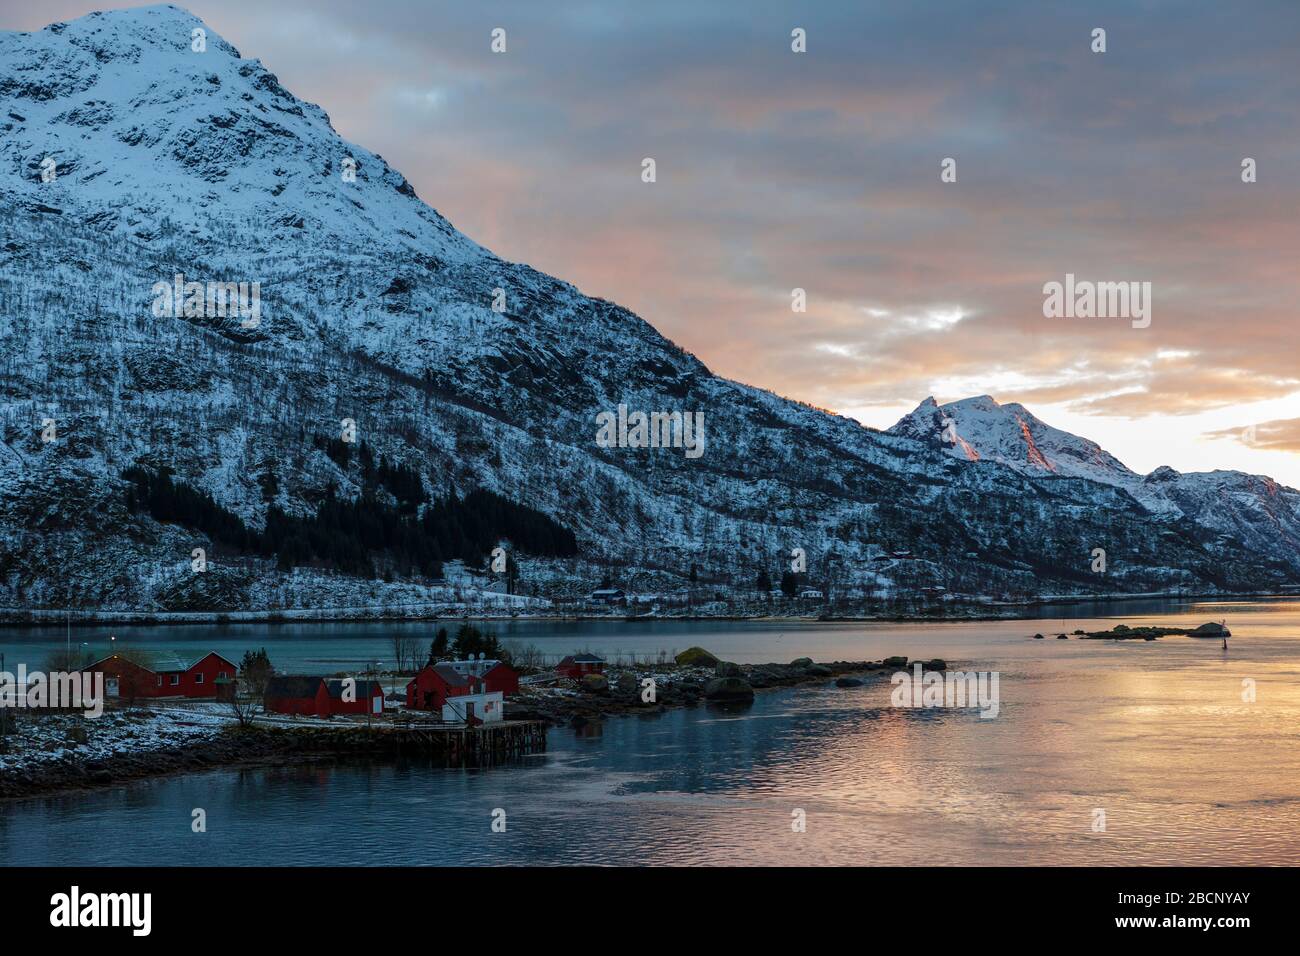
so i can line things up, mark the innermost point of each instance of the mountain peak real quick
(159, 26)
(979, 428)
(147, 126)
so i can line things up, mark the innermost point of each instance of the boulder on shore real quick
(726, 669)
(818, 670)
(626, 683)
(596, 683)
(1211, 630)
(696, 657)
(895, 662)
(848, 682)
(801, 662)
(728, 689)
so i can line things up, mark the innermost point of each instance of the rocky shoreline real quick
(231, 749)
(698, 680)
(702, 679)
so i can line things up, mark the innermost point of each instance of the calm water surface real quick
(1155, 734)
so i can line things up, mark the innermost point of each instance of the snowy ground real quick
(46, 736)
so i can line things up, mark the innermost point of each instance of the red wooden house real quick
(431, 687)
(575, 665)
(321, 697)
(434, 683)
(496, 675)
(163, 674)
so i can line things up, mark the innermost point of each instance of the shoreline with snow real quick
(226, 750)
(59, 753)
(946, 611)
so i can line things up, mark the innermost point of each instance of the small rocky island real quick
(1122, 632)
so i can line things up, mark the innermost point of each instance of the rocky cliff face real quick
(128, 156)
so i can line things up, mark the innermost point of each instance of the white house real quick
(473, 667)
(487, 707)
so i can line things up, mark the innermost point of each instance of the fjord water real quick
(1156, 735)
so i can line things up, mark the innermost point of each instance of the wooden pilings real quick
(452, 745)
(473, 746)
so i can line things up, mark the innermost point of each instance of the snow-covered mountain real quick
(128, 155)
(979, 429)
(1253, 508)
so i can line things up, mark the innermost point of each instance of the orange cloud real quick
(1281, 434)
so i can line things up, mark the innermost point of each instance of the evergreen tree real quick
(256, 670)
(789, 583)
(438, 646)
(349, 536)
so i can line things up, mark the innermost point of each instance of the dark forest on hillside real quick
(391, 528)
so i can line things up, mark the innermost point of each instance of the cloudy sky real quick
(821, 171)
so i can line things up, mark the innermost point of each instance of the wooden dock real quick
(456, 745)
(450, 745)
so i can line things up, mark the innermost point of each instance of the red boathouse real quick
(575, 665)
(322, 697)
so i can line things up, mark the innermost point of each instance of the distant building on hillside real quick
(607, 596)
